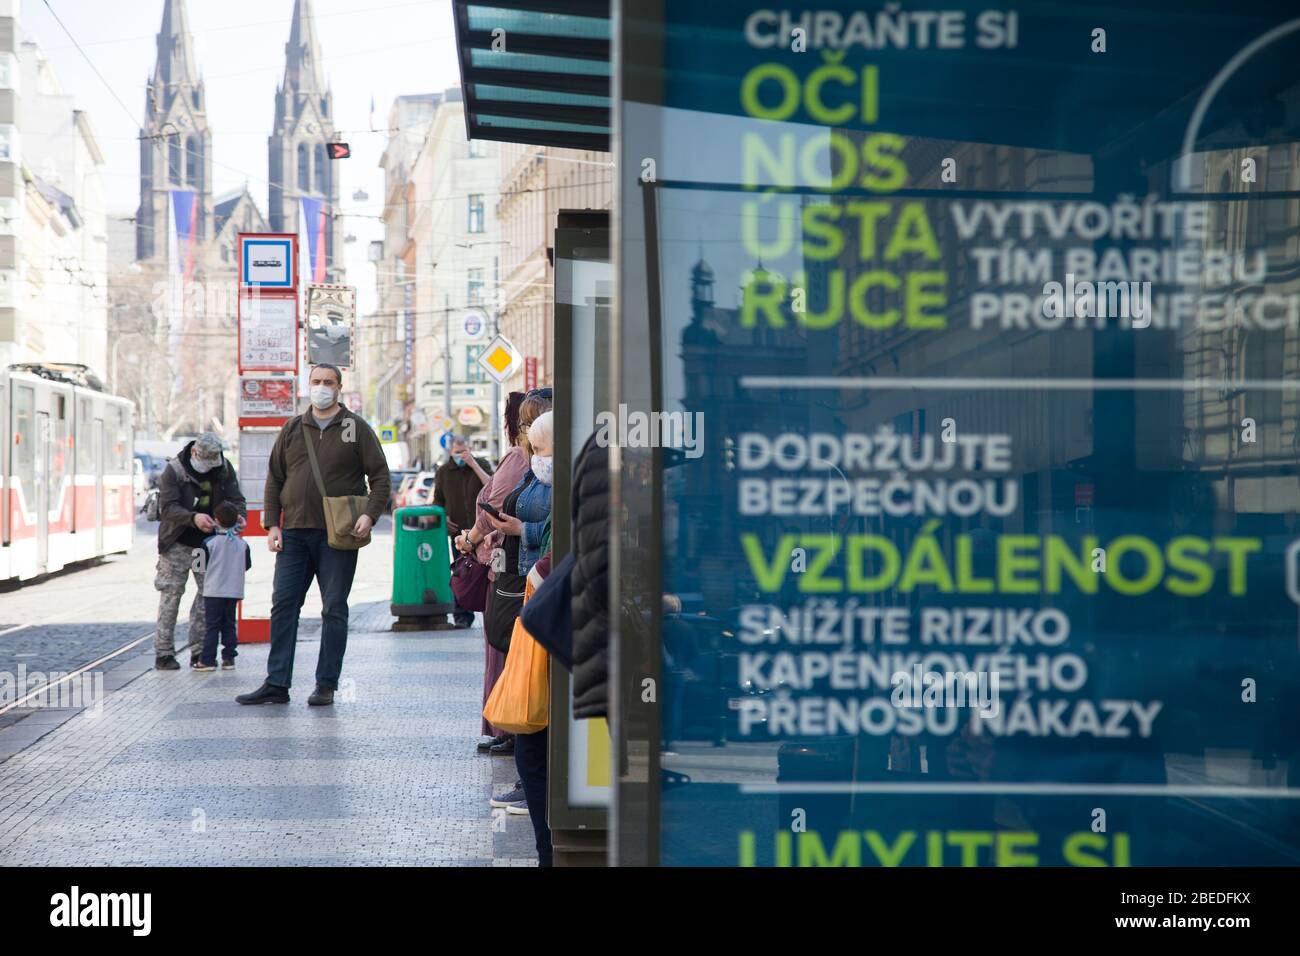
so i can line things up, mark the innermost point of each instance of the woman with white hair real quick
(526, 522)
(526, 512)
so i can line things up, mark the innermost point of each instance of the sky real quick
(376, 49)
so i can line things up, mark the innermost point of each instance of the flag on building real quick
(182, 237)
(182, 255)
(312, 227)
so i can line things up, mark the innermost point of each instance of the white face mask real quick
(322, 396)
(203, 465)
(543, 467)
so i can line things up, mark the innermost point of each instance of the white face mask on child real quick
(543, 467)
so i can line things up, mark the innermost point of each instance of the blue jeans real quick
(530, 761)
(307, 555)
(220, 620)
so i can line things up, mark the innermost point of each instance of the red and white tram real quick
(66, 467)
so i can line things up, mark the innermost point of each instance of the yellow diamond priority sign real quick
(500, 359)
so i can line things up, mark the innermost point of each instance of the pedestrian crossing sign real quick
(500, 359)
(387, 434)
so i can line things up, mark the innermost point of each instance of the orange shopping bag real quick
(520, 702)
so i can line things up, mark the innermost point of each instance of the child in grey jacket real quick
(227, 558)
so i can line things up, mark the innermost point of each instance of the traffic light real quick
(340, 150)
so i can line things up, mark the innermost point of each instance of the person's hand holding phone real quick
(502, 522)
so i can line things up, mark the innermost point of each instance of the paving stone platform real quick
(173, 772)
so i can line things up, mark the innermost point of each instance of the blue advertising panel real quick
(966, 451)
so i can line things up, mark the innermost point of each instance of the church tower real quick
(300, 167)
(176, 145)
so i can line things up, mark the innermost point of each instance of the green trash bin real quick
(421, 562)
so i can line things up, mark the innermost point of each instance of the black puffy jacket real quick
(590, 581)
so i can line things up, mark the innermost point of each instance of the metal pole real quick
(446, 394)
(496, 330)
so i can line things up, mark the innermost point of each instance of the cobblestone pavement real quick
(83, 613)
(172, 771)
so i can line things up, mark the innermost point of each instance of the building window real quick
(8, 216)
(192, 157)
(322, 171)
(1225, 186)
(174, 161)
(473, 371)
(474, 286)
(1276, 210)
(475, 213)
(1263, 362)
(304, 169)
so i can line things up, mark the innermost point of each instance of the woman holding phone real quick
(485, 542)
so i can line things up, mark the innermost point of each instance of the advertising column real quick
(268, 368)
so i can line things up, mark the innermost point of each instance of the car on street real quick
(153, 466)
(421, 491)
(400, 496)
(400, 479)
(139, 482)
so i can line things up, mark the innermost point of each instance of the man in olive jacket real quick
(350, 457)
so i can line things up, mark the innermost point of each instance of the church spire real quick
(175, 140)
(176, 65)
(302, 60)
(304, 187)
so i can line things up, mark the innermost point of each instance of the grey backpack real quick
(152, 506)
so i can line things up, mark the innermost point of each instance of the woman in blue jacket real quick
(525, 521)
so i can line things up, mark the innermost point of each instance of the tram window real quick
(24, 434)
(118, 453)
(84, 443)
(59, 454)
(110, 439)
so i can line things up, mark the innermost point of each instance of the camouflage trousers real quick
(174, 567)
